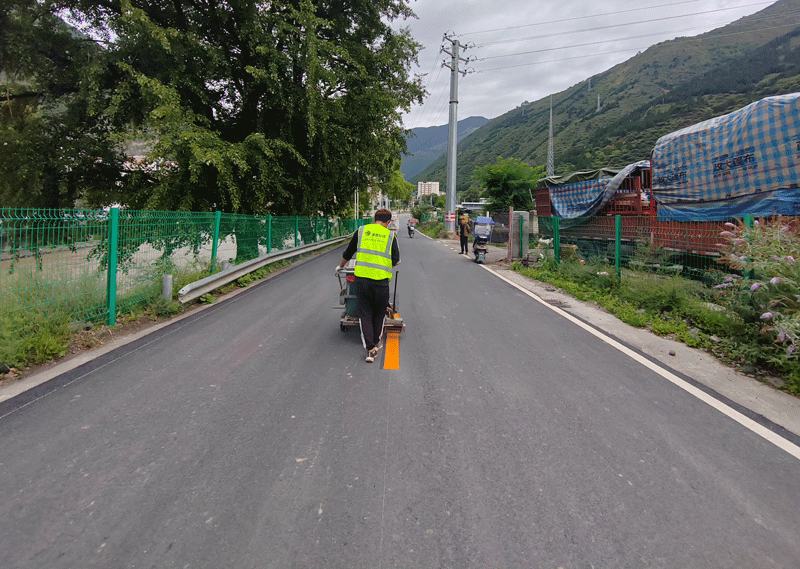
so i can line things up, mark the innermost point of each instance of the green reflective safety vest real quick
(374, 252)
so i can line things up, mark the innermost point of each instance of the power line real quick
(624, 25)
(670, 32)
(639, 10)
(620, 50)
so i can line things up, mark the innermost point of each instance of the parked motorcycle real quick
(482, 229)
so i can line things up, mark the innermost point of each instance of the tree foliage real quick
(509, 182)
(396, 186)
(55, 141)
(254, 107)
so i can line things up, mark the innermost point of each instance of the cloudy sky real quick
(525, 50)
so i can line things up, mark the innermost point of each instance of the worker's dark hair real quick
(383, 215)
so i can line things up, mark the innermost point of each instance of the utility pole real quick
(452, 137)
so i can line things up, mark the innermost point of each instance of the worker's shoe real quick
(371, 355)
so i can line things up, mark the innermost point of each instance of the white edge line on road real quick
(743, 420)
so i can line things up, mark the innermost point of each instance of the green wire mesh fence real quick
(88, 264)
(640, 242)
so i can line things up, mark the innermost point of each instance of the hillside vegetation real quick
(424, 145)
(667, 87)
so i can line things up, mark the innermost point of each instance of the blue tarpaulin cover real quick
(747, 161)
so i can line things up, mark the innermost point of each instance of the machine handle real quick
(394, 300)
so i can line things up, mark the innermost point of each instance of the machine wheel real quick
(342, 327)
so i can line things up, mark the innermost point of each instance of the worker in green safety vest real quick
(376, 252)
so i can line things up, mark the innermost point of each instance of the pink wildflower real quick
(726, 234)
(767, 316)
(755, 287)
(731, 225)
(775, 280)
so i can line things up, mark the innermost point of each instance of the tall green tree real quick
(509, 182)
(256, 107)
(396, 186)
(55, 142)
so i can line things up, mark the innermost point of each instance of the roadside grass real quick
(44, 333)
(434, 229)
(681, 309)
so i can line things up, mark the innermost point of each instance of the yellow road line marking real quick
(391, 359)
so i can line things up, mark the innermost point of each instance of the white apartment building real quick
(427, 188)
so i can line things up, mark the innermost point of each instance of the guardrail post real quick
(556, 239)
(217, 217)
(111, 287)
(296, 230)
(618, 245)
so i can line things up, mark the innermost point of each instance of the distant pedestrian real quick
(464, 231)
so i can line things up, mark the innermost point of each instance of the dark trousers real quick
(465, 243)
(373, 300)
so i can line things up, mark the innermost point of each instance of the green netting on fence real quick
(60, 262)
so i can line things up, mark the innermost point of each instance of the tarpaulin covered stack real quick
(745, 162)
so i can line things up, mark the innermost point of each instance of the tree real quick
(472, 194)
(56, 143)
(508, 183)
(255, 107)
(396, 186)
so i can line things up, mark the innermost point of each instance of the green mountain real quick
(667, 87)
(424, 145)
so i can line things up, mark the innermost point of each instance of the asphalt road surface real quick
(254, 435)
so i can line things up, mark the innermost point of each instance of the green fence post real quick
(520, 236)
(296, 230)
(111, 288)
(217, 217)
(618, 245)
(269, 234)
(327, 228)
(556, 239)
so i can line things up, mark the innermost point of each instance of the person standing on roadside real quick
(464, 231)
(376, 252)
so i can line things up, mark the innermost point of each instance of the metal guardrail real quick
(204, 286)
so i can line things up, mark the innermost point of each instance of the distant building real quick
(428, 188)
